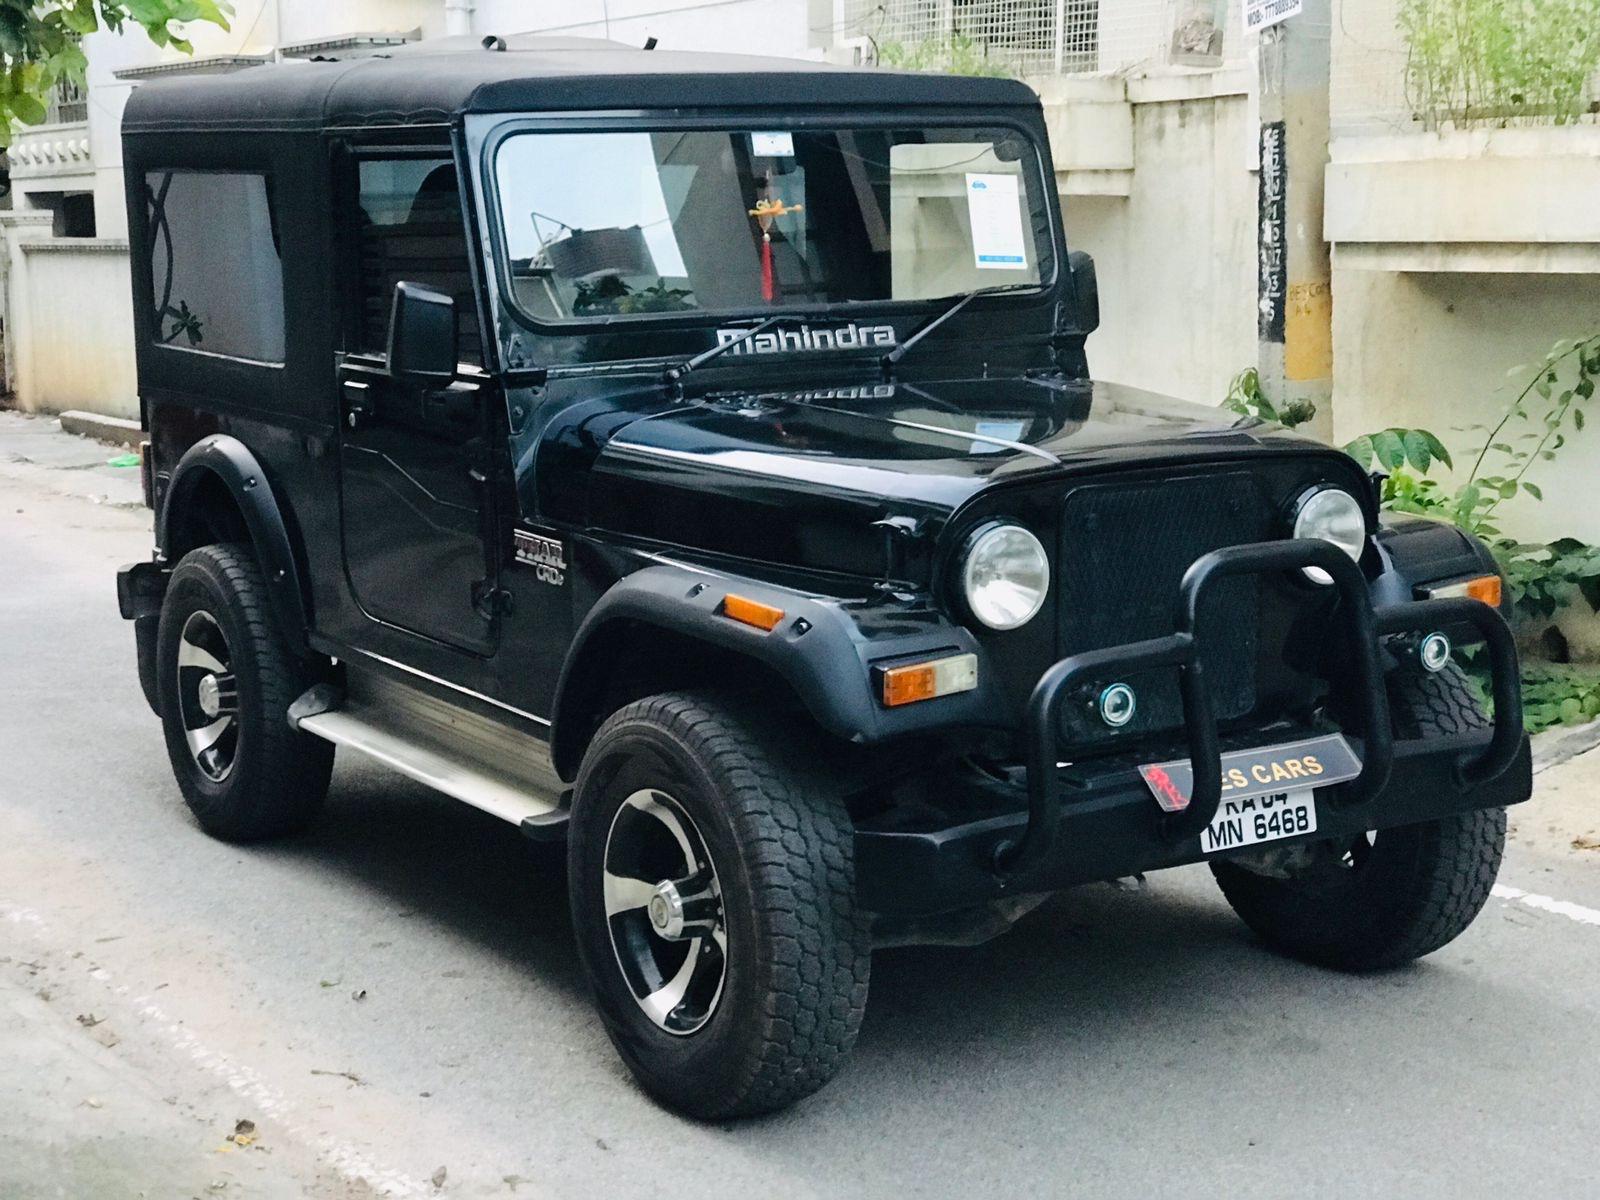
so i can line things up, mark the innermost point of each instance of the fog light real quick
(1434, 653)
(1117, 705)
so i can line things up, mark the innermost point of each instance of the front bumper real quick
(1089, 822)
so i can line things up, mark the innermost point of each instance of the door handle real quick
(358, 404)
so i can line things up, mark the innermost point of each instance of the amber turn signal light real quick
(928, 680)
(751, 612)
(1486, 588)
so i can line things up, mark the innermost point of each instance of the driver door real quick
(414, 503)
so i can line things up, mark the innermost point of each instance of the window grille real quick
(1024, 37)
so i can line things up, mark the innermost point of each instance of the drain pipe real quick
(457, 17)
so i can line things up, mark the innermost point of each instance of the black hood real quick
(938, 442)
(796, 477)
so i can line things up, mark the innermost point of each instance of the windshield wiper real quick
(904, 348)
(675, 374)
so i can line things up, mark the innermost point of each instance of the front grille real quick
(1124, 549)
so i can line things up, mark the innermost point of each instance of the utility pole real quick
(1294, 279)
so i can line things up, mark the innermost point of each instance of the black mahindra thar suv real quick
(694, 459)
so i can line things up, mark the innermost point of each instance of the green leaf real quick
(1577, 417)
(80, 20)
(1417, 449)
(28, 109)
(1391, 450)
(1360, 449)
(1438, 448)
(1533, 490)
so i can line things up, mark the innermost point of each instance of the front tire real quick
(711, 874)
(226, 677)
(1393, 895)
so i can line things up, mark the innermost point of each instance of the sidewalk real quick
(36, 448)
(76, 1123)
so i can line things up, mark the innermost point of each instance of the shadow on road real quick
(461, 868)
(1095, 974)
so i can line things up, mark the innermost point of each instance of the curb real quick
(1565, 747)
(119, 431)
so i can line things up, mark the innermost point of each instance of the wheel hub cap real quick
(208, 701)
(209, 696)
(666, 910)
(663, 904)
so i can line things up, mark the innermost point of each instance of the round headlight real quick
(1334, 516)
(1005, 576)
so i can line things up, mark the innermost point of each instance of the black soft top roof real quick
(433, 81)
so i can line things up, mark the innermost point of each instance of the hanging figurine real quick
(767, 210)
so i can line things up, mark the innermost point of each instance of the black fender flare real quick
(229, 460)
(822, 649)
(1417, 551)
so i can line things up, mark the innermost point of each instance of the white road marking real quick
(1562, 908)
(344, 1158)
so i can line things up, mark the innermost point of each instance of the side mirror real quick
(1086, 289)
(422, 334)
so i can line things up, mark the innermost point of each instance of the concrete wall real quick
(1176, 255)
(1458, 256)
(70, 340)
(1433, 350)
(780, 27)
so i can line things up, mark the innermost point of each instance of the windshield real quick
(602, 225)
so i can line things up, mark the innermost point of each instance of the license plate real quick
(1259, 819)
(1291, 768)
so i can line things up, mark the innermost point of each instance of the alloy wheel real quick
(208, 696)
(663, 904)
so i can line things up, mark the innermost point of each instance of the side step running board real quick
(500, 770)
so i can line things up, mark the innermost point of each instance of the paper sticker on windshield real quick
(772, 145)
(996, 215)
(1001, 431)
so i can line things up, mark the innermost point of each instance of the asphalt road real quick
(397, 992)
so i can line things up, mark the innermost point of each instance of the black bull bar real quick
(1183, 652)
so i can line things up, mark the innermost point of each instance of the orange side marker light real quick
(751, 612)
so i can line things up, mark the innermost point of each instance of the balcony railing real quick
(1040, 37)
(68, 104)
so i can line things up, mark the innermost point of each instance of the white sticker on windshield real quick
(1004, 431)
(996, 214)
(772, 145)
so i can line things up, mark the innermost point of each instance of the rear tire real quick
(226, 678)
(1394, 895)
(772, 983)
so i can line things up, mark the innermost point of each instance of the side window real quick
(411, 228)
(214, 264)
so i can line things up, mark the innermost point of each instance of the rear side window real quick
(411, 229)
(214, 264)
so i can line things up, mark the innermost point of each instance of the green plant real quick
(1543, 578)
(1557, 694)
(39, 43)
(612, 295)
(1246, 397)
(1552, 693)
(1474, 62)
(1546, 577)
(1561, 386)
(955, 54)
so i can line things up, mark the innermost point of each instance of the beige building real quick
(1455, 255)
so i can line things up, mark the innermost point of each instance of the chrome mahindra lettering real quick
(804, 337)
